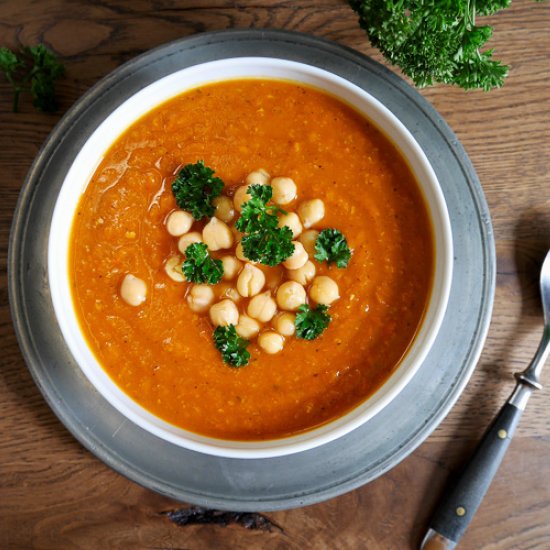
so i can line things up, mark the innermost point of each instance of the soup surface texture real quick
(162, 353)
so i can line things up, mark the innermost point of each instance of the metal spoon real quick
(461, 501)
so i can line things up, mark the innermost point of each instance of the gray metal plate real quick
(267, 484)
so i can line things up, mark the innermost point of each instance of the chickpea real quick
(232, 294)
(200, 297)
(172, 267)
(291, 296)
(311, 212)
(178, 223)
(247, 327)
(308, 239)
(292, 221)
(284, 324)
(231, 266)
(241, 196)
(133, 290)
(324, 290)
(217, 235)
(284, 190)
(258, 177)
(224, 313)
(304, 274)
(187, 239)
(225, 290)
(224, 208)
(262, 307)
(251, 280)
(299, 257)
(271, 342)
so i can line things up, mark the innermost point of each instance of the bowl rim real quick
(316, 436)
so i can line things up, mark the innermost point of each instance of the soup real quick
(161, 352)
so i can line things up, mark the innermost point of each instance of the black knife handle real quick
(460, 502)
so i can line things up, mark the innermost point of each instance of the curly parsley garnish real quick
(194, 189)
(231, 346)
(34, 70)
(200, 267)
(435, 41)
(331, 246)
(311, 323)
(264, 242)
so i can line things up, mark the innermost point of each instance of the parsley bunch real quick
(34, 70)
(311, 323)
(231, 346)
(194, 189)
(435, 41)
(264, 242)
(200, 267)
(331, 246)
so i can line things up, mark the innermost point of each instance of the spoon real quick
(461, 500)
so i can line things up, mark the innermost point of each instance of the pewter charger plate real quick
(264, 484)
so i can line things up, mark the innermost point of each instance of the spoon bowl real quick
(531, 375)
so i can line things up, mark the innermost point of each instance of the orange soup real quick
(161, 353)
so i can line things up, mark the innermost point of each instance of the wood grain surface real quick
(56, 495)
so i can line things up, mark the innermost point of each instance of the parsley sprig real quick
(200, 267)
(264, 242)
(34, 70)
(231, 346)
(435, 41)
(194, 189)
(311, 323)
(332, 246)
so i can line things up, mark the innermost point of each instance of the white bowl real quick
(142, 102)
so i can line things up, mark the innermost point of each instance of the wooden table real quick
(55, 494)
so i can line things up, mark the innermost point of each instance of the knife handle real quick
(461, 501)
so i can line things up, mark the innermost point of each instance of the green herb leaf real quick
(256, 214)
(311, 323)
(435, 41)
(269, 247)
(9, 62)
(264, 242)
(231, 346)
(35, 72)
(194, 189)
(200, 267)
(45, 71)
(331, 246)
